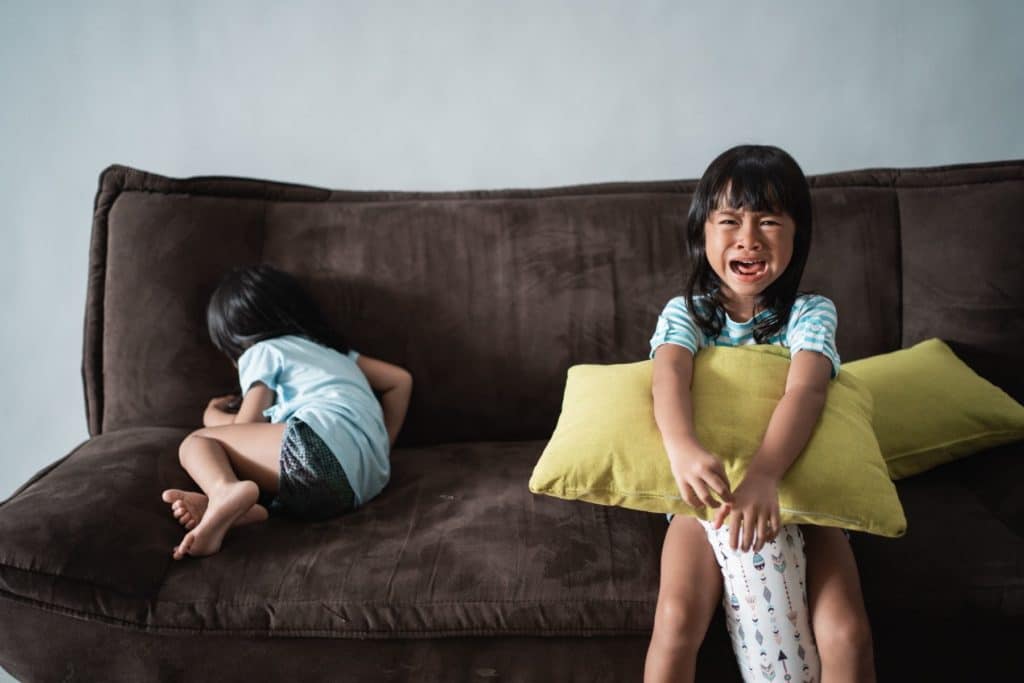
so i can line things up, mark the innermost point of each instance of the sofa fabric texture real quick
(456, 571)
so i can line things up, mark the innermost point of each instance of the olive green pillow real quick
(931, 408)
(607, 448)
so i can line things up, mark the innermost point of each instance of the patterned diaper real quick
(765, 599)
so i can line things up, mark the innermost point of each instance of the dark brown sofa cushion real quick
(456, 545)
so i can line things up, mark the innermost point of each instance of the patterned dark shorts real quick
(312, 484)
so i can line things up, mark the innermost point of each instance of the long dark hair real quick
(757, 178)
(254, 303)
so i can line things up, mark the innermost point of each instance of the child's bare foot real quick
(188, 507)
(227, 503)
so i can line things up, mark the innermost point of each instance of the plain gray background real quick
(443, 96)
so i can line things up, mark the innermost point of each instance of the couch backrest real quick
(488, 297)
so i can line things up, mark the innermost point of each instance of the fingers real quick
(697, 485)
(749, 526)
(692, 491)
(762, 531)
(687, 494)
(715, 479)
(734, 529)
(749, 529)
(722, 515)
(700, 489)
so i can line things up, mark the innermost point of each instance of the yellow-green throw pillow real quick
(930, 408)
(607, 448)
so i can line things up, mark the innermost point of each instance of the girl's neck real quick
(742, 310)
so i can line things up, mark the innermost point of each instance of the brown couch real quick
(457, 572)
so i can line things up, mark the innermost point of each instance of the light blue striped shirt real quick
(326, 390)
(811, 327)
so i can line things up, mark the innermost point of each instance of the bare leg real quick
(230, 464)
(839, 618)
(691, 586)
(188, 507)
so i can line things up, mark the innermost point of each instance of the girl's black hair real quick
(254, 303)
(756, 178)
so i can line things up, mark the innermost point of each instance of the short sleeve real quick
(812, 327)
(353, 355)
(260, 363)
(676, 326)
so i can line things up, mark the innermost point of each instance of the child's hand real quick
(217, 411)
(226, 404)
(697, 473)
(754, 511)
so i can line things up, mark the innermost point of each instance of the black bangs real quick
(747, 188)
(756, 179)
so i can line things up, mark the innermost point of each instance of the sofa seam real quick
(312, 632)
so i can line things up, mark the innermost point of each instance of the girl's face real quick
(748, 250)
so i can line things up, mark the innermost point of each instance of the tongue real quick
(748, 270)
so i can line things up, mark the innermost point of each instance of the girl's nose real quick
(749, 234)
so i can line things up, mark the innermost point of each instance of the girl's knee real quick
(678, 622)
(190, 442)
(849, 635)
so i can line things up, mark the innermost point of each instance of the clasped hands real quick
(751, 511)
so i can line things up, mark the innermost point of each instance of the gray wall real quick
(445, 95)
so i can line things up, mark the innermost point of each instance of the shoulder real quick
(272, 351)
(259, 350)
(813, 307)
(677, 307)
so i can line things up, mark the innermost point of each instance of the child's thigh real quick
(690, 576)
(833, 583)
(254, 449)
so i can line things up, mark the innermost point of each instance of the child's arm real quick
(257, 399)
(696, 471)
(393, 386)
(756, 504)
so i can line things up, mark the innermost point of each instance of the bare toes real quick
(185, 545)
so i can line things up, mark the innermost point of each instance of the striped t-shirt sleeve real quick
(676, 326)
(812, 327)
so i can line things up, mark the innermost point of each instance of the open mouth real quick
(748, 268)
